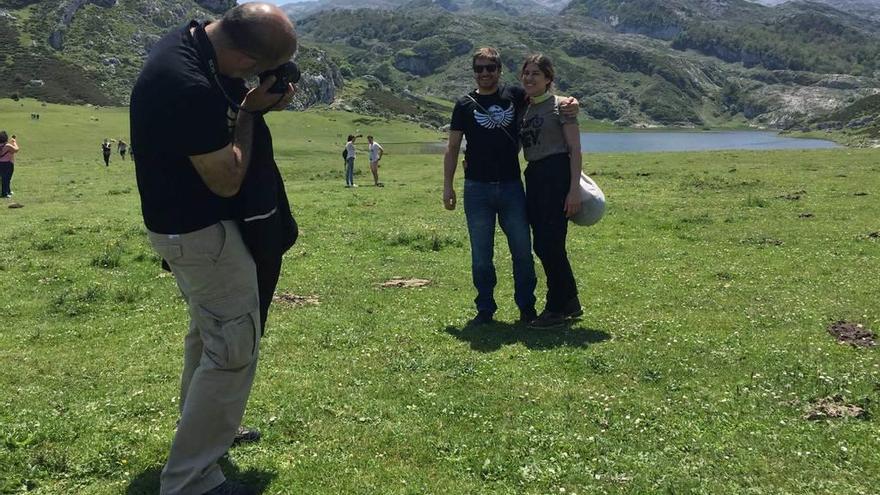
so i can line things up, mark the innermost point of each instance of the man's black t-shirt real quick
(177, 112)
(491, 154)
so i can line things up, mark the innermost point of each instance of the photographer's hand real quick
(260, 100)
(285, 98)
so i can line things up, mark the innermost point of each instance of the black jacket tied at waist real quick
(266, 222)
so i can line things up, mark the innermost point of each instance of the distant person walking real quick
(349, 161)
(122, 147)
(376, 151)
(8, 149)
(551, 144)
(107, 150)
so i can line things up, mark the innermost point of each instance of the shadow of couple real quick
(493, 336)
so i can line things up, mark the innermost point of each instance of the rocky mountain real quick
(866, 8)
(90, 51)
(634, 62)
(631, 62)
(301, 10)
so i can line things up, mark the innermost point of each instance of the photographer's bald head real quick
(252, 38)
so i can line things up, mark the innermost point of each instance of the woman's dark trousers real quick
(547, 185)
(6, 170)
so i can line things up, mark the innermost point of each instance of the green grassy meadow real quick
(707, 291)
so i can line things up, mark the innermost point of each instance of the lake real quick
(647, 141)
(653, 141)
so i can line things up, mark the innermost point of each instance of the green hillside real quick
(630, 62)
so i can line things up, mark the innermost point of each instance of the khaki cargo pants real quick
(218, 280)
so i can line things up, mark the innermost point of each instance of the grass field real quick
(708, 288)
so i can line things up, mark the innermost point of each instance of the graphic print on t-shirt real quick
(497, 116)
(530, 132)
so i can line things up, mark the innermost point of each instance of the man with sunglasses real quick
(489, 118)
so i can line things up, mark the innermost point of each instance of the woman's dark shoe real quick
(548, 319)
(573, 308)
(527, 315)
(482, 318)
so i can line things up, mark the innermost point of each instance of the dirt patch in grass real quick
(762, 241)
(873, 235)
(855, 334)
(294, 300)
(16, 205)
(832, 407)
(404, 283)
(860, 194)
(806, 215)
(793, 196)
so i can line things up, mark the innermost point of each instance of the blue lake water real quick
(619, 142)
(655, 141)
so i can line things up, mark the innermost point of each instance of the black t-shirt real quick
(491, 154)
(177, 112)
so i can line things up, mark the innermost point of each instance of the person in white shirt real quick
(376, 151)
(349, 162)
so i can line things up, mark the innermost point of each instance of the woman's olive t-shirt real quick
(541, 130)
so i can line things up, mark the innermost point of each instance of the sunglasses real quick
(490, 68)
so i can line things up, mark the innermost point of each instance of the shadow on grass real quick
(490, 338)
(147, 483)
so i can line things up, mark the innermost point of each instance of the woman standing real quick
(551, 145)
(349, 161)
(8, 149)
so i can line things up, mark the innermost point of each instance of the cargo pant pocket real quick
(230, 331)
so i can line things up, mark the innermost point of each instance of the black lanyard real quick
(209, 59)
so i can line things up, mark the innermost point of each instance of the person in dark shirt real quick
(106, 150)
(489, 119)
(195, 126)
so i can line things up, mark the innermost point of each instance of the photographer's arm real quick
(450, 162)
(223, 170)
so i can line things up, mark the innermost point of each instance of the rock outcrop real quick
(216, 6)
(67, 10)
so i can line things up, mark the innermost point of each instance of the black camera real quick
(286, 73)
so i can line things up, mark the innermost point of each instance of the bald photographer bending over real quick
(197, 128)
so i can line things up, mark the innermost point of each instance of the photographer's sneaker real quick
(242, 435)
(230, 488)
(246, 435)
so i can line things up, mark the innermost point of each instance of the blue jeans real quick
(349, 171)
(483, 201)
